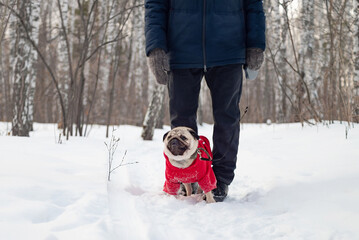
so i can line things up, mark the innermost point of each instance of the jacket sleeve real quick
(255, 24)
(156, 12)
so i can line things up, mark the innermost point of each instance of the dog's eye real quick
(183, 138)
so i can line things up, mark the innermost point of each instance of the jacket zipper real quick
(204, 36)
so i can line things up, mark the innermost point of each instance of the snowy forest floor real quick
(292, 182)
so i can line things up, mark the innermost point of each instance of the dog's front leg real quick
(188, 188)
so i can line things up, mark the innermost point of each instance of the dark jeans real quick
(225, 84)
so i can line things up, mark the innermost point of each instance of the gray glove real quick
(254, 60)
(160, 65)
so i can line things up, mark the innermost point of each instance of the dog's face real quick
(180, 143)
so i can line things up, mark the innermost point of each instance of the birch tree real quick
(24, 67)
(4, 83)
(283, 66)
(153, 112)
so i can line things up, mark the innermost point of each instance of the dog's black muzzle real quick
(176, 147)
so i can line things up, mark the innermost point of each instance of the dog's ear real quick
(164, 136)
(194, 134)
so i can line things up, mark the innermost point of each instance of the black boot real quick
(221, 192)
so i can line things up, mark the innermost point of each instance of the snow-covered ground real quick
(291, 183)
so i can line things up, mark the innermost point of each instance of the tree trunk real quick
(25, 71)
(200, 111)
(160, 119)
(153, 112)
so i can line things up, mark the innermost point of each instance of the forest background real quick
(82, 62)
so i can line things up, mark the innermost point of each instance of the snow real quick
(292, 182)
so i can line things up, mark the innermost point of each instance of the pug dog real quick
(184, 164)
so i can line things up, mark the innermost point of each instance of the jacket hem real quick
(208, 64)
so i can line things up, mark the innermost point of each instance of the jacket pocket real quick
(228, 6)
(185, 5)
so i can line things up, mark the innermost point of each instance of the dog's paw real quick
(208, 197)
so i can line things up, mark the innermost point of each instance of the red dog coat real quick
(200, 171)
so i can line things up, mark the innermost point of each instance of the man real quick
(189, 39)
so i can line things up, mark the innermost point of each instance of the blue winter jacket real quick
(204, 33)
